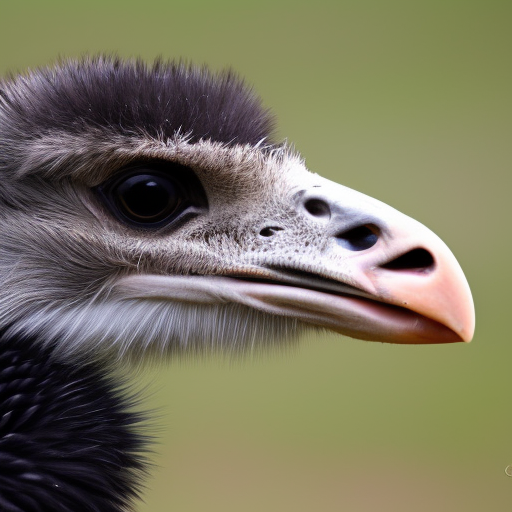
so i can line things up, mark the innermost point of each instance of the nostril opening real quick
(417, 259)
(318, 208)
(270, 231)
(358, 239)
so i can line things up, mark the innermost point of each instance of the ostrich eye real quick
(147, 198)
(153, 195)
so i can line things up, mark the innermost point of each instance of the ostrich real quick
(145, 211)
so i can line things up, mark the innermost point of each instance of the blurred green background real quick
(407, 101)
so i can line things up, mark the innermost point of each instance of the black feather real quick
(69, 439)
(129, 97)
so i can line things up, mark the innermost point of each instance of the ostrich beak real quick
(380, 275)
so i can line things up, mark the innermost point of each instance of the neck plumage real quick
(69, 441)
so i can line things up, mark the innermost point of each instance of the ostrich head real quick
(148, 209)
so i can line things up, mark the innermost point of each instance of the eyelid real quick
(191, 197)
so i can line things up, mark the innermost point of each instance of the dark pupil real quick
(147, 198)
